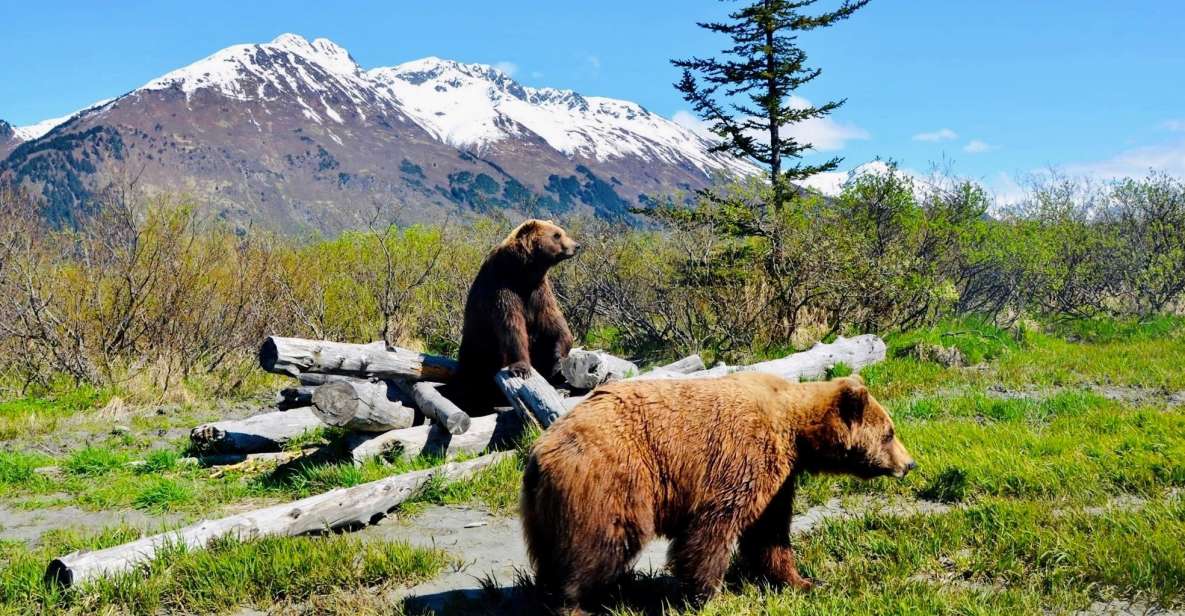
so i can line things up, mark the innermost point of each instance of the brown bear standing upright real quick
(512, 318)
(710, 463)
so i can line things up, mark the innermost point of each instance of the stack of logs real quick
(389, 398)
(379, 393)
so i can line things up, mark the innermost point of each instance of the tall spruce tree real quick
(745, 95)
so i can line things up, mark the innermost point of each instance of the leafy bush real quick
(147, 290)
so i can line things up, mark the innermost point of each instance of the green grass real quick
(496, 487)
(31, 415)
(977, 339)
(999, 557)
(95, 461)
(264, 573)
(1017, 444)
(1069, 448)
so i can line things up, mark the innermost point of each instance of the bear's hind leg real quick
(765, 546)
(595, 563)
(700, 557)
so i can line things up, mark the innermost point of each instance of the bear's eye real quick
(557, 235)
(889, 436)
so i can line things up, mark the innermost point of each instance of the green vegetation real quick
(997, 557)
(1026, 449)
(265, 573)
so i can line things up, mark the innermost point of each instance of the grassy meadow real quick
(1049, 478)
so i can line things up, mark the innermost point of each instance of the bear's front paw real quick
(805, 583)
(520, 369)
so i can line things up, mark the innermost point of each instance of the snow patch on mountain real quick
(475, 105)
(289, 67)
(42, 128)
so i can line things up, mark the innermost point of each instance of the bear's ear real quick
(853, 399)
(528, 227)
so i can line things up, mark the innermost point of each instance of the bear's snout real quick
(909, 466)
(902, 462)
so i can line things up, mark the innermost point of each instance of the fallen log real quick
(314, 379)
(342, 508)
(294, 356)
(533, 395)
(814, 363)
(262, 432)
(433, 404)
(492, 432)
(363, 406)
(584, 369)
(691, 363)
(294, 397)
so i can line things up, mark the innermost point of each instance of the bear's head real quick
(542, 242)
(856, 436)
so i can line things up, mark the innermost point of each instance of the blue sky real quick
(996, 88)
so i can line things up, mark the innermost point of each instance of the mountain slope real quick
(294, 135)
(9, 139)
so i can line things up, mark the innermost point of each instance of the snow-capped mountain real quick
(473, 105)
(296, 135)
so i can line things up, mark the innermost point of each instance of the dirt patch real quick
(29, 525)
(1123, 607)
(495, 557)
(1118, 393)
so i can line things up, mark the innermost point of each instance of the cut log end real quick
(269, 354)
(457, 424)
(59, 574)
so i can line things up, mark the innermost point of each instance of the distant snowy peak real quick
(288, 68)
(42, 128)
(475, 105)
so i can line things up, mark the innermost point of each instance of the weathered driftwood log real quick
(433, 404)
(855, 352)
(336, 509)
(586, 369)
(813, 363)
(492, 432)
(533, 395)
(314, 379)
(294, 397)
(691, 363)
(363, 406)
(294, 356)
(262, 432)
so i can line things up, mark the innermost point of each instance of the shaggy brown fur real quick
(709, 463)
(512, 318)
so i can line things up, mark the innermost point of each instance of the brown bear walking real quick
(709, 463)
(512, 318)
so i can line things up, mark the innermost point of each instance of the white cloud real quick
(824, 134)
(1176, 126)
(1136, 162)
(942, 134)
(510, 68)
(975, 146)
(691, 122)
